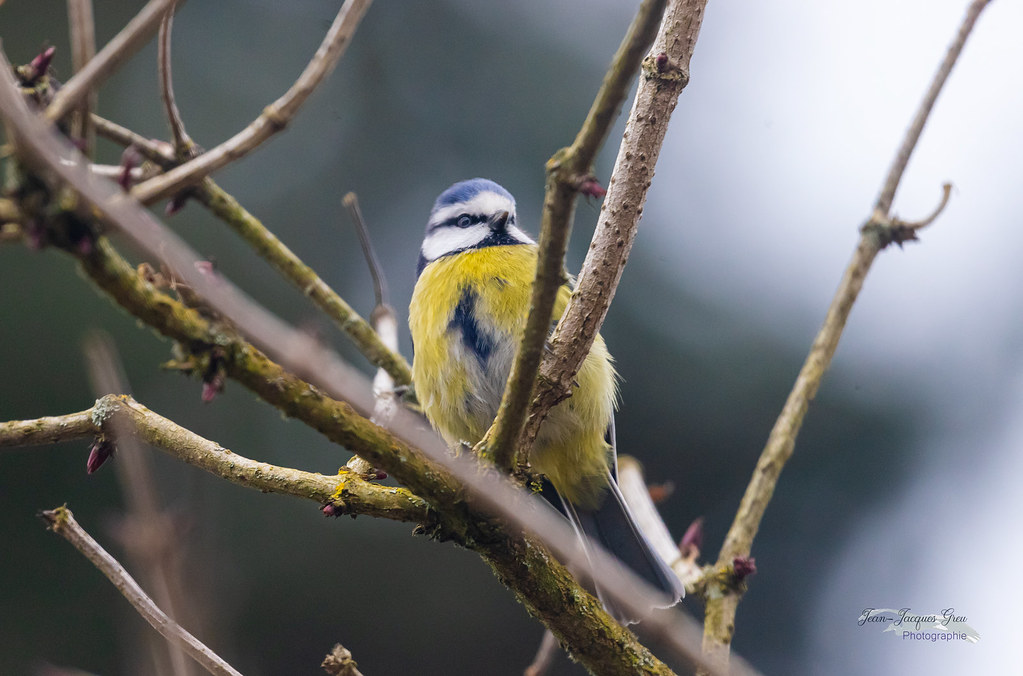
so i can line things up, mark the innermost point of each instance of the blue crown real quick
(464, 191)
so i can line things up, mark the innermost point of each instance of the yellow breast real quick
(467, 314)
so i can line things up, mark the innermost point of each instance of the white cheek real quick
(520, 236)
(445, 240)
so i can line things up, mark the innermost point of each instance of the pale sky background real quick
(826, 92)
(801, 105)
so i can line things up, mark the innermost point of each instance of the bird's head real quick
(470, 215)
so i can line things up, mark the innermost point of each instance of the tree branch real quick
(385, 325)
(554, 597)
(877, 233)
(83, 48)
(48, 430)
(159, 152)
(184, 146)
(62, 522)
(274, 251)
(274, 118)
(664, 77)
(566, 171)
(348, 492)
(415, 457)
(109, 59)
(916, 127)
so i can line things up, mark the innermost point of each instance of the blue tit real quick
(467, 315)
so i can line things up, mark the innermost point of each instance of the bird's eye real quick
(464, 221)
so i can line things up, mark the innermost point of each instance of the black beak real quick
(499, 221)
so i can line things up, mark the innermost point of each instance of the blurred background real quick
(903, 488)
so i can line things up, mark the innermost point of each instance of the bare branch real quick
(83, 48)
(946, 192)
(348, 492)
(115, 172)
(565, 172)
(376, 271)
(876, 234)
(62, 522)
(183, 144)
(385, 324)
(39, 146)
(160, 152)
(916, 127)
(109, 59)
(274, 118)
(664, 77)
(267, 245)
(49, 430)
(415, 456)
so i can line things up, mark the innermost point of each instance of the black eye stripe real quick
(474, 219)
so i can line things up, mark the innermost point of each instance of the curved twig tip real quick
(898, 231)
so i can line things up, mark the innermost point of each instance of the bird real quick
(468, 310)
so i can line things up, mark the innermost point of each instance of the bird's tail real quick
(612, 525)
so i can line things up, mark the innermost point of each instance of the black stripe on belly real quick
(464, 321)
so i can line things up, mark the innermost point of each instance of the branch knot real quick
(662, 67)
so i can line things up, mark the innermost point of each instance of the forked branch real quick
(665, 75)
(109, 59)
(274, 118)
(567, 171)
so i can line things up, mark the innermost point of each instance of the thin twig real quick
(665, 74)
(565, 171)
(351, 203)
(385, 324)
(274, 118)
(946, 192)
(723, 600)
(891, 182)
(183, 144)
(155, 550)
(39, 146)
(115, 172)
(83, 48)
(160, 152)
(109, 59)
(62, 522)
